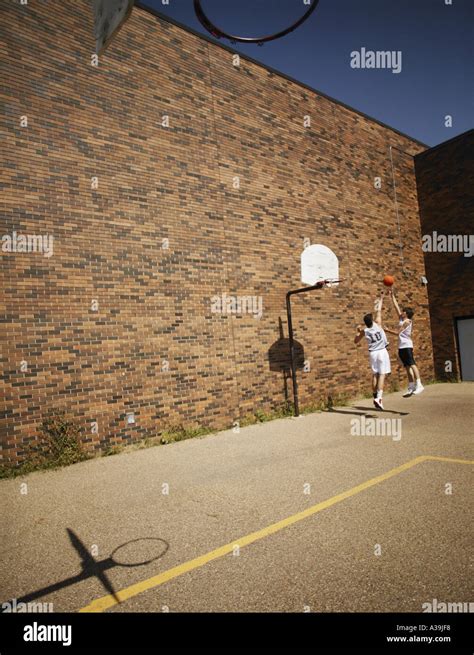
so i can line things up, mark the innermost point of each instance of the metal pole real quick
(318, 285)
(292, 355)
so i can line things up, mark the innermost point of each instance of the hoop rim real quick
(144, 562)
(221, 34)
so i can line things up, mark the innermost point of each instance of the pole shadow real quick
(279, 358)
(385, 411)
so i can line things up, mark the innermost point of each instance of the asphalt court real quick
(344, 554)
(101, 535)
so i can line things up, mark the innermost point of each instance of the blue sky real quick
(435, 40)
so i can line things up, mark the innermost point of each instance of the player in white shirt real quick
(378, 354)
(405, 347)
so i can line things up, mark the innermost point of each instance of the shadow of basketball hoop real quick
(280, 360)
(133, 553)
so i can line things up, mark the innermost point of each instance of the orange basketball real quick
(389, 280)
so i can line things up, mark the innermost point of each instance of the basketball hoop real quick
(260, 40)
(326, 283)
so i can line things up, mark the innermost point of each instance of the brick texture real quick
(445, 176)
(153, 346)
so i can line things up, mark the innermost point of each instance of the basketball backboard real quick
(318, 263)
(109, 16)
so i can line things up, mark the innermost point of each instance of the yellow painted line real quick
(106, 602)
(451, 460)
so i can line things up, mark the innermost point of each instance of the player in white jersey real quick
(405, 347)
(378, 353)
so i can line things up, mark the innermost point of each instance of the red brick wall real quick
(176, 183)
(445, 176)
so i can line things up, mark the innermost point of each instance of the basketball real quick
(388, 280)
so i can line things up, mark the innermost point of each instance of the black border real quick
(134, 632)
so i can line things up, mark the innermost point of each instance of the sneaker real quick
(410, 390)
(418, 389)
(378, 403)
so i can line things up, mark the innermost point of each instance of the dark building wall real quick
(445, 178)
(119, 318)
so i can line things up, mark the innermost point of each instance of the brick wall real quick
(445, 176)
(116, 322)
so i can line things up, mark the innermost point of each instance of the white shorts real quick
(380, 361)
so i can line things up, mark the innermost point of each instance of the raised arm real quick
(378, 310)
(395, 304)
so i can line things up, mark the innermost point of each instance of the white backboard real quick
(318, 263)
(109, 16)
